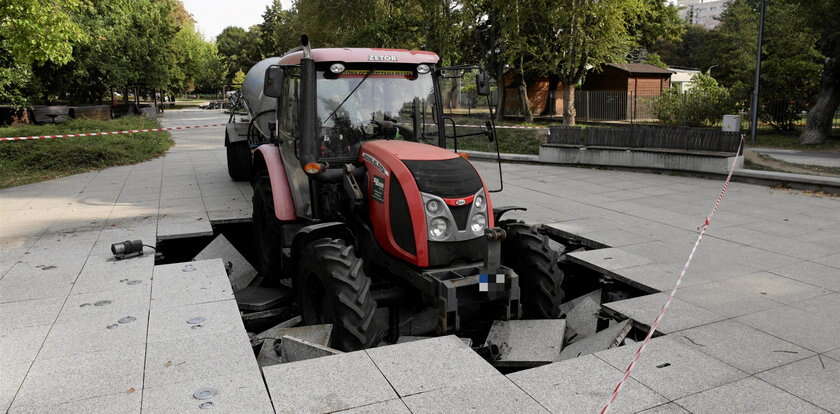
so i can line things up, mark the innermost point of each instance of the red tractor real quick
(360, 204)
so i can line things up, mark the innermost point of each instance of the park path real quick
(754, 328)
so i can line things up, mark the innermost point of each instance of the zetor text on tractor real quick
(358, 201)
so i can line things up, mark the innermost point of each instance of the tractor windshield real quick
(359, 105)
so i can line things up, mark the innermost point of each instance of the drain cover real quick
(197, 320)
(204, 394)
(102, 303)
(127, 319)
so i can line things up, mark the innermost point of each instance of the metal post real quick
(762, 7)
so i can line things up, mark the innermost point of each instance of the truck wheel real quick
(333, 288)
(528, 253)
(238, 160)
(267, 231)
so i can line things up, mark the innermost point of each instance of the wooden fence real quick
(644, 136)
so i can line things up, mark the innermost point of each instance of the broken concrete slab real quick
(258, 298)
(527, 343)
(294, 349)
(239, 270)
(607, 260)
(328, 384)
(408, 338)
(681, 314)
(581, 313)
(269, 355)
(606, 339)
(179, 284)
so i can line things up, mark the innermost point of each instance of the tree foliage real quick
(78, 51)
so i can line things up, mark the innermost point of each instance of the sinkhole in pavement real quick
(269, 309)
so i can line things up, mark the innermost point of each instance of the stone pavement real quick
(754, 329)
(818, 158)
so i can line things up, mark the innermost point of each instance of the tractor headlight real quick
(479, 203)
(434, 207)
(478, 223)
(423, 68)
(438, 228)
(336, 68)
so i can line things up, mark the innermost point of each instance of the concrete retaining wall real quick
(638, 158)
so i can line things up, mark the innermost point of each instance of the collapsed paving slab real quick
(314, 334)
(581, 314)
(293, 349)
(606, 339)
(239, 270)
(527, 343)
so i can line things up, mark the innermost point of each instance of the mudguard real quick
(284, 205)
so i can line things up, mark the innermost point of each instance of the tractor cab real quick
(358, 200)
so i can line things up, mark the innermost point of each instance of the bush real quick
(702, 105)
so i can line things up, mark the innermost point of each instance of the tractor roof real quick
(363, 54)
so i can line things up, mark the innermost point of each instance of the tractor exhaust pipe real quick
(308, 121)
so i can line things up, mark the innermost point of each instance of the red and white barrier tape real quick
(91, 134)
(655, 325)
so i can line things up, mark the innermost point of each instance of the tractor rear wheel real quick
(267, 232)
(238, 159)
(529, 254)
(333, 288)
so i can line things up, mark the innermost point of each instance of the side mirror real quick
(273, 84)
(482, 83)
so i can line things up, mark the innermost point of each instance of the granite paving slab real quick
(815, 379)
(189, 283)
(606, 339)
(119, 403)
(327, 384)
(741, 346)
(764, 398)
(681, 314)
(583, 385)
(673, 369)
(527, 342)
(670, 408)
(811, 273)
(395, 406)
(811, 330)
(491, 394)
(421, 366)
(235, 393)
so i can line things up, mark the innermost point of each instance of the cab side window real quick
(289, 106)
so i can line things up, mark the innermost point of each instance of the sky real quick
(212, 16)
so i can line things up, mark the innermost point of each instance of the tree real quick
(819, 14)
(33, 31)
(240, 49)
(704, 104)
(573, 36)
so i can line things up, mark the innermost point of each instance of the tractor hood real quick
(407, 150)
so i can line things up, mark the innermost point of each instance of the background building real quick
(702, 12)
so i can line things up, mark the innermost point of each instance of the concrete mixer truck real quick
(361, 207)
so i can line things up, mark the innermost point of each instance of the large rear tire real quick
(333, 288)
(238, 160)
(267, 233)
(529, 254)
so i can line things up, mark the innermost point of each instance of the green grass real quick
(23, 162)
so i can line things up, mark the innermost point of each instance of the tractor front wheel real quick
(333, 288)
(529, 254)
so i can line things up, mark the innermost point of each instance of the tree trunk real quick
(524, 103)
(569, 104)
(501, 88)
(551, 97)
(821, 115)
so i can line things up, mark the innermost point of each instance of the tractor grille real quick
(461, 215)
(400, 218)
(450, 178)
